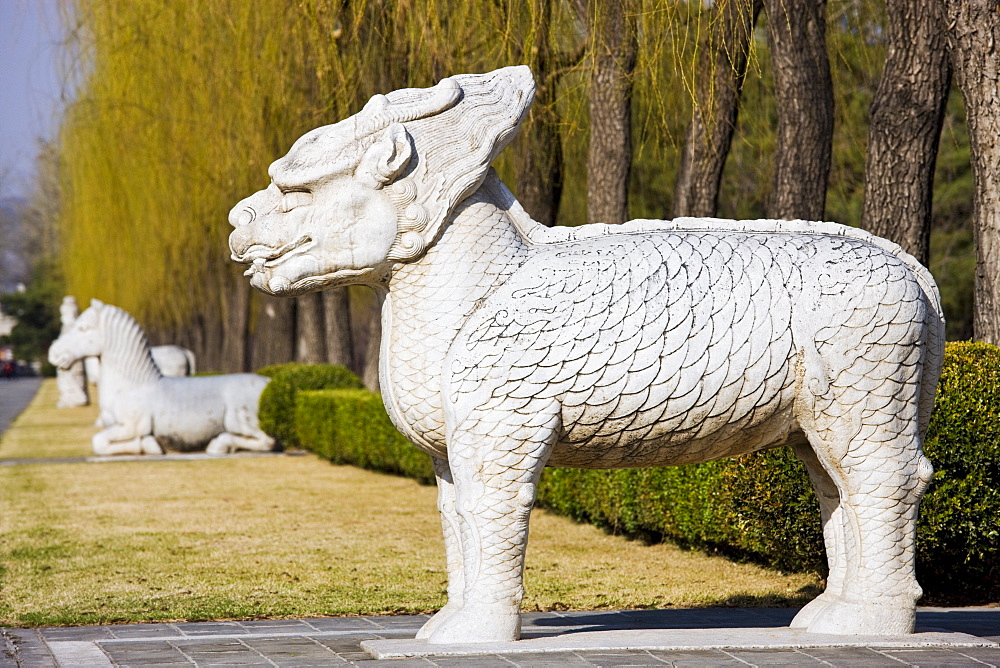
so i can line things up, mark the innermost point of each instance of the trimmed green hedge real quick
(759, 506)
(959, 529)
(276, 411)
(351, 427)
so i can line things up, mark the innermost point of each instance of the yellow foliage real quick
(182, 104)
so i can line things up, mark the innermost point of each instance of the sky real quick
(30, 87)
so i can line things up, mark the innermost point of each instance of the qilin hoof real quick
(811, 611)
(864, 618)
(437, 619)
(478, 624)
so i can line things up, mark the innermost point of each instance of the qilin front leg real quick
(496, 456)
(452, 546)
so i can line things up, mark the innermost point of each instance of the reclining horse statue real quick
(142, 410)
(509, 346)
(170, 360)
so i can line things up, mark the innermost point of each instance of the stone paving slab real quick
(338, 641)
(669, 640)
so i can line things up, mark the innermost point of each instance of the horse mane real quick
(126, 348)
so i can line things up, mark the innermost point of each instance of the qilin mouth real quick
(258, 254)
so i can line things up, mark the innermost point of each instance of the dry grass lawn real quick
(288, 536)
(44, 431)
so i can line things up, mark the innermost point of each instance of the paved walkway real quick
(337, 641)
(15, 395)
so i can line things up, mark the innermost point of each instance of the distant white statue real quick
(144, 410)
(72, 382)
(509, 346)
(92, 367)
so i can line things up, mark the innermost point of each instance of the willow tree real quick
(804, 92)
(722, 67)
(175, 120)
(181, 107)
(972, 35)
(547, 43)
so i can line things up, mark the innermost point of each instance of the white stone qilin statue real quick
(142, 409)
(509, 346)
(72, 381)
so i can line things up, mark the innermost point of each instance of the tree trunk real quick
(216, 333)
(370, 374)
(339, 339)
(804, 92)
(609, 155)
(272, 331)
(235, 314)
(538, 151)
(722, 67)
(538, 161)
(906, 119)
(310, 341)
(972, 35)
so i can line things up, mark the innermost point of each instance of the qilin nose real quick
(241, 215)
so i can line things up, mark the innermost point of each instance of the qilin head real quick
(349, 200)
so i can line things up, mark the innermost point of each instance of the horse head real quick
(84, 338)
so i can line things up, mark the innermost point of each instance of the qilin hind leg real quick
(866, 438)
(835, 536)
(452, 546)
(496, 456)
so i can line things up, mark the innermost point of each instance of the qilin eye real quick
(295, 198)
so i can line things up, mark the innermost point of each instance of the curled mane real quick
(454, 149)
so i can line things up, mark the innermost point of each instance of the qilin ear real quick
(387, 158)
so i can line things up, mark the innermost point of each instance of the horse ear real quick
(95, 302)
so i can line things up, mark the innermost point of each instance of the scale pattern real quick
(670, 348)
(430, 301)
(666, 346)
